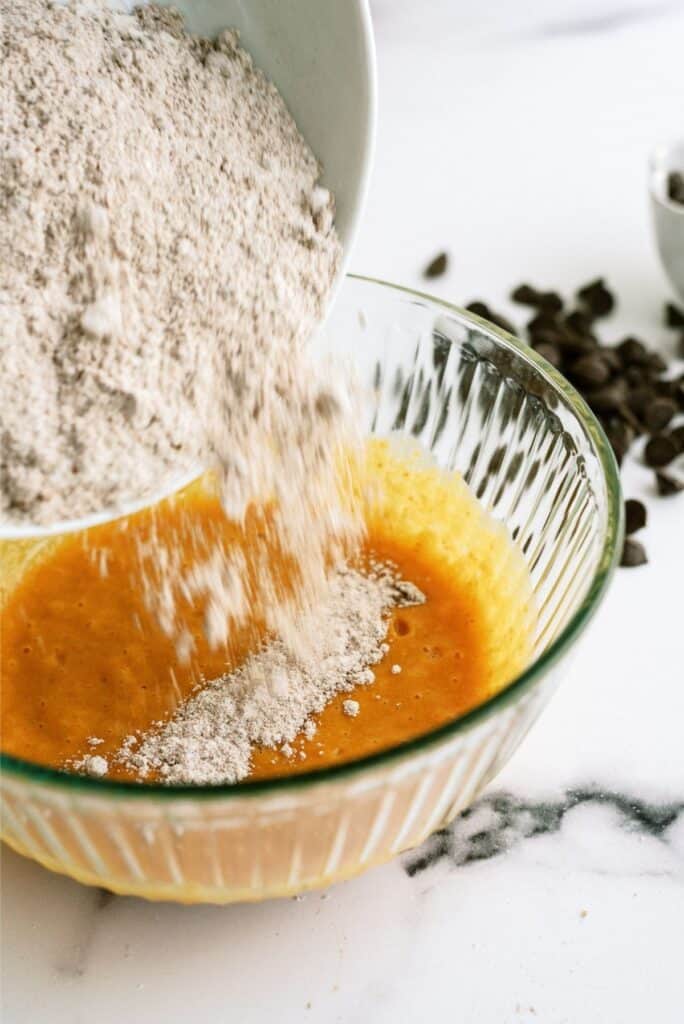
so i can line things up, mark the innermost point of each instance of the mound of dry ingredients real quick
(167, 250)
(269, 699)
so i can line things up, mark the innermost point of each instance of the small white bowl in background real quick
(668, 216)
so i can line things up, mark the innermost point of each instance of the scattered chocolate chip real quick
(668, 484)
(678, 392)
(611, 398)
(542, 322)
(677, 436)
(620, 435)
(483, 310)
(674, 316)
(635, 516)
(633, 554)
(675, 186)
(611, 358)
(634, 375)
(659, 413)
(640, 398)
(632, 352)
(596, 298)
(525, 294)
(550, 302)
(590, 371)
(545, 302)
(660, 451)
(629, 417)
(578, 322)
(656, 363)
(664, 388)
(576, 344)
(549, 352)
(625, 384)
(479, 309)
(437, 266)
(573, 345)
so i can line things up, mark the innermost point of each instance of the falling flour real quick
(167, 251)
(269, 700)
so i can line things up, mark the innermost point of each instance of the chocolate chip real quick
(635, 516)
(656, 363)
(611, 398)
(677, 436)
(550, 302)
(628, 416)
(634, 375)
(525, 294)
(632, 352)
(663, 388)
(483, 310)
(590, 371)
(542, 322)
(578, 322)
(633, 554)
(640, 398)
(659, 413)
(576, 344)
(550, 352)
(611, 358)
(675, 186)
(479, 309)
(596, 298)
(678, 392)
(660, 451)
(437, 266)
(620, 435)
(546, 302)
(626, 385)
(674, 316)
(668, 485)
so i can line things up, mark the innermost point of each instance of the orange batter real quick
(81, 655)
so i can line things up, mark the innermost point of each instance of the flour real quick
(167, 250)
(92, 764)
(269, 700)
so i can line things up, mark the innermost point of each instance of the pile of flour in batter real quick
(268, 701)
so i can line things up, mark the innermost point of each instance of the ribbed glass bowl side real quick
(535, 457)
(485, 408)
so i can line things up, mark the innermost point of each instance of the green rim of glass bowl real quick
(517, 688)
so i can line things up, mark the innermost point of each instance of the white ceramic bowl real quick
(321, 56)
(668, 217)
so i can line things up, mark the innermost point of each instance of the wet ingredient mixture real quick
(85, 666)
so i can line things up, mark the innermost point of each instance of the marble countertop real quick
(520, 145)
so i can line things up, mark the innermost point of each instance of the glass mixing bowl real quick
(534, 455)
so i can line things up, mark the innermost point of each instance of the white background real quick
(515, 136)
